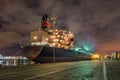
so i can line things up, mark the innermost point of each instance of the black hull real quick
(43, 54)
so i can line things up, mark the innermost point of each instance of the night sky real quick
(96, 23)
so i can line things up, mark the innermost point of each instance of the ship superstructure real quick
(49, 35)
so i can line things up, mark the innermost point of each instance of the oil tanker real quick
(49, 44)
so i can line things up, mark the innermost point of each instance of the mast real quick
(54, 21)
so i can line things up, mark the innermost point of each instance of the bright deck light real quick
(35, 37)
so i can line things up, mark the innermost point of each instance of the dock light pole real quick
(54, 54)
(53, 18)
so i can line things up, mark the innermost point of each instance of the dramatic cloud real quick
(93, 21)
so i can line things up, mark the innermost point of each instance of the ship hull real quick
(44, 54)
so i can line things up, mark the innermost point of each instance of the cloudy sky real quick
(94, 22)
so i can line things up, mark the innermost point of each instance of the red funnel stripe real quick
(46, 24)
